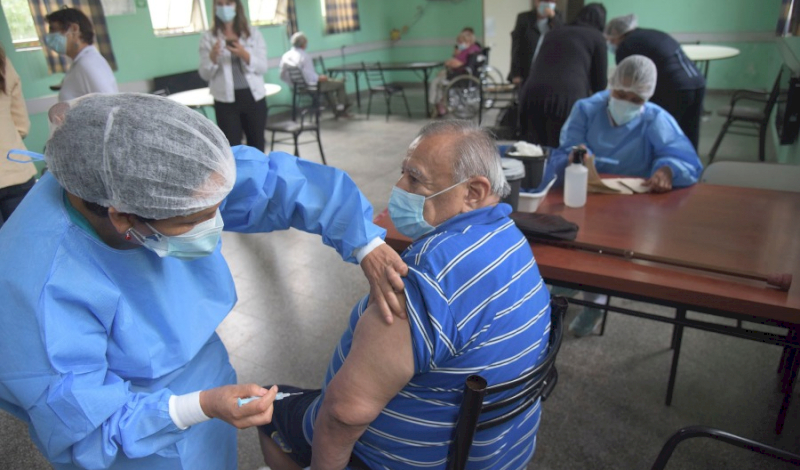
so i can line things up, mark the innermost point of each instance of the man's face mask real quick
(56, 42)
(196, 243)
(406, 210)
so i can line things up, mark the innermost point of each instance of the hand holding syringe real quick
(279, 396)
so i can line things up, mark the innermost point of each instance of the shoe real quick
(585, 322)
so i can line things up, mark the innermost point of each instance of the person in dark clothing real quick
(681, 87)
(530, 27)
(571, 65)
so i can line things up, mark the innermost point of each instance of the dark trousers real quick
(243, 115)
(686, 106)
(11, 196)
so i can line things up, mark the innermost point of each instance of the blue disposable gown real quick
(94, 340)
(638, 148)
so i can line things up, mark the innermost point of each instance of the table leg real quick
(677, 336)
(789, 377)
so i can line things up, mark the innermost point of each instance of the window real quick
(266, 12)
(174, 17)
(20, 22)
(340, 16)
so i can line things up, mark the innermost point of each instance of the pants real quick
(243, 115)
(11, 196)
(336, 93)
(686, 106)
(436, 87)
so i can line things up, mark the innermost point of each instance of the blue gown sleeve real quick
(672, 148)
(81, 412)
(279, 191)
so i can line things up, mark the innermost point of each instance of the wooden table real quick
(355, 69)
(739, 228)
(703, 54)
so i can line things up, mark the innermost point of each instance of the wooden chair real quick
(376, 83)
(536, 384)
(304, 114)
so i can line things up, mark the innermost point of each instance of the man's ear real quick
(121, 221)
(478, 190)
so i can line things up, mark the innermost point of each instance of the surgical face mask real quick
(623, 111)
(406, 210)
(612, 48)
(545, 6)
(462, 46)
(226, 13)
(196, 243)
(56, 42)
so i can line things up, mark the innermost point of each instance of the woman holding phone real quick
(233, 59)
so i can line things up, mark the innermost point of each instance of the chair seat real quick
(743, 113)
(290, 126)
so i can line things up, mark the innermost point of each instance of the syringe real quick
(278, 396)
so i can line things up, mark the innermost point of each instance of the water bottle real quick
(576, 180)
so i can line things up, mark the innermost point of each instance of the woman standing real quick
(15, 179)
(572, 64)
(233, 59)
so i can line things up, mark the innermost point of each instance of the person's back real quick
(675, 70)
(477, 305)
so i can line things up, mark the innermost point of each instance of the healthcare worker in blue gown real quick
(113, 282)
(630, 136)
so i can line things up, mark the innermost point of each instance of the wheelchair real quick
(479, 87)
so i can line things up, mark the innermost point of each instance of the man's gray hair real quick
(475, 152)
(299, 39)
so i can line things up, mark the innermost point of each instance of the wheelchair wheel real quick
(495, 88)
(463, 95)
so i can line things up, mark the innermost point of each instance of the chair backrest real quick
(538, 383)
(300, 89)
(773, 95)
(775, 176)
(374, 74)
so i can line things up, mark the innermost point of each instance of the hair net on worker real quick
(621, 25)
(141, 154)
(637, 74)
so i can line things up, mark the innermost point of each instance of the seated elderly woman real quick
(627, 136)
(466, 46)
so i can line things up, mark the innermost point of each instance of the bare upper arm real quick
(380, 363)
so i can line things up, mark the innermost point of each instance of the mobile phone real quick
(230, 42)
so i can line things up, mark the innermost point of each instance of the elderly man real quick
(72, 34)
(297, 57)
(476, 303)
(627, 136)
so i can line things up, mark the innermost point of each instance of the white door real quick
(499, 17)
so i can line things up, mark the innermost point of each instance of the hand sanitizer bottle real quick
(576, 180)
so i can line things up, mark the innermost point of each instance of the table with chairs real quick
(201, 98)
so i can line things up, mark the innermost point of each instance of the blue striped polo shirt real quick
(476, 305)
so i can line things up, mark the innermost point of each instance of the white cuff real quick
(363, 251)
(185, 410)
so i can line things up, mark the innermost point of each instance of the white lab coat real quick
(89, 73)
(220, 76)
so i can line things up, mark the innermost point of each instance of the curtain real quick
(341, 16)
(93, 9)
(291, 18)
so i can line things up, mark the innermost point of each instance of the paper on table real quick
(599, 185)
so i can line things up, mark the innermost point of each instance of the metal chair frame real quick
(303, 117)
(538, 383)
(376, 83)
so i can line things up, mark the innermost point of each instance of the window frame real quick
(198, 8)
(26, 44)
(279, 3)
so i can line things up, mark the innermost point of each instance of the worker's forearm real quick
(333, 441)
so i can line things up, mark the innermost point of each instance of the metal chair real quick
(749, 118)
(692, 432)
(538, 383)
(303, 116)
(376, 83)
(319, 65)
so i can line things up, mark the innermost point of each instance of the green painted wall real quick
(758, 63)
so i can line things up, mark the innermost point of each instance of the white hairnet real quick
(637, 74)
(142, 154)
(621, 25)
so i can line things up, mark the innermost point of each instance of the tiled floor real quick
(607, 411)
